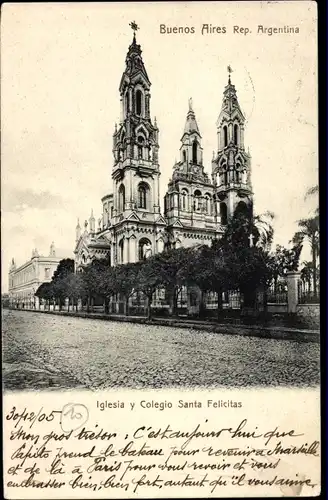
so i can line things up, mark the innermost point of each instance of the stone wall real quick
(277, 308)
(309, 314)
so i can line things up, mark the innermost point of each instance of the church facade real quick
(197, 205)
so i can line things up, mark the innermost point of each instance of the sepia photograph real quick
(160, 220)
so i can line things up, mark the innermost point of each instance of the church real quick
(197, 206)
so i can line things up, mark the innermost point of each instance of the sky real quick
(61, 68)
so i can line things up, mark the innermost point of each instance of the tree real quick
(309, 230)
(64, 268)
(173, 268)
(149, 278)
(284, 260)
(45, 292)
(245, 229)
(93, 278)
(74, 287)
(244, 253)
(125, 281)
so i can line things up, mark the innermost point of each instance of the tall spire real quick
(229, 71)
(133, 61)
(191, 123)
(52, 250)
(77, 231)
(92, 222)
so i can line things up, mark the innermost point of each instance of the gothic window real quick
(121, 251)
(145, 250)
(121, 198)
(184, 199)
(225, 177)
(197, 201)
(235, 134)
(127, 100)
(141, 141)
(194, 151)
(139, 102)
(208, 203)
(223, 213)
(112, 212)
(184, 156)
(142, 195)
(225, 136)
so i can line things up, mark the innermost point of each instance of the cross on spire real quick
(229, 68)
(134, 27)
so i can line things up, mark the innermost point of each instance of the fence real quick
(308, 296)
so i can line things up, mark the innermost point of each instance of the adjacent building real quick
(26, 279)
(197, 205)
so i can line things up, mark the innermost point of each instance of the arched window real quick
(141, 142)
(225, 136)
(121, 198)
(194, 151)
(121, 251)
(142, 195)
(184, 199)
(236, 134)
(197, 200)
(207, 201)
(139, 102)
(145, 250)
(127, 101)
(223, 213)
(184, 156)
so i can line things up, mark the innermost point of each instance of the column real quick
(112, 254)
(241, 136)
(126, 251)
(121, 110)
(147, 104)
(130, 100)
(230, 132)
(293, 278)
(155, 195)
(133, 249)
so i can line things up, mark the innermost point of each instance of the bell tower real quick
(231, 165)
(135, 143)
(188, 202)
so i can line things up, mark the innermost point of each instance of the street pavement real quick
(44, 351)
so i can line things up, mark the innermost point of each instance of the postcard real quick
(161, 251)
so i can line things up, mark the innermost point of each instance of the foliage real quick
(309, 231)
(231, 263)
(284, 260)
(45, 291)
